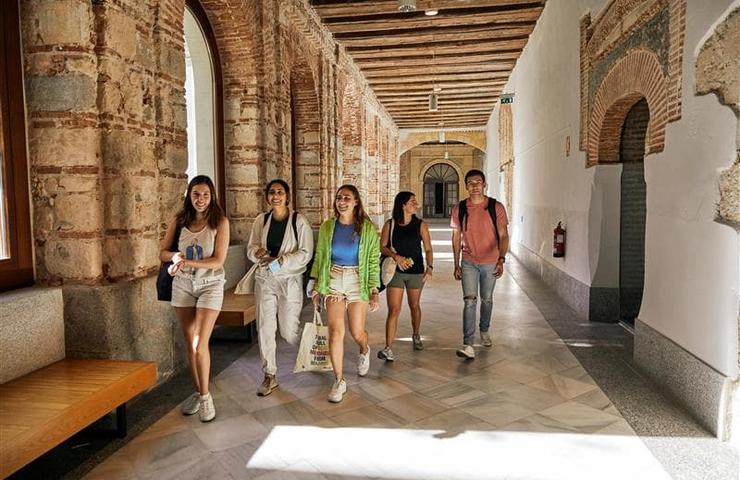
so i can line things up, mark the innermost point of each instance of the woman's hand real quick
(316, 299)
(403, 263)
(265, 260)
(374, 302)
(427, 275)
(261, 253)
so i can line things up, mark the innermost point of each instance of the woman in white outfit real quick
(198, 286)
(281, 244)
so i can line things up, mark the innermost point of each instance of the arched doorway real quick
(441, 193)
(632, 213)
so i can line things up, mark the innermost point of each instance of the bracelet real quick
(430, 267)
(502, 259)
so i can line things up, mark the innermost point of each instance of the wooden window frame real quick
(201, 16)
(16, 271)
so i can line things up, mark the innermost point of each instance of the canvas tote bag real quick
(246, 284)
(313, 352)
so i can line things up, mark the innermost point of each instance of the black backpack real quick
(462, 215)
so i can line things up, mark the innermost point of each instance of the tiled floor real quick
(524, 409)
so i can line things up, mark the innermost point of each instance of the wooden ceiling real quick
(468, 49)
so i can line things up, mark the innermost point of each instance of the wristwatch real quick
(502, 259)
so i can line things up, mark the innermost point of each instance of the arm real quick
(165, 255)
(503, 248)
(374, 269)
(254, 248)
(384, 237)
(456, 248)
(219, 251)
(428, 254)
(302, 255)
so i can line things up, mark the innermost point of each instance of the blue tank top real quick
(345, 246)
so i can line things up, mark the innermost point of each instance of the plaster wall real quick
(691, 271)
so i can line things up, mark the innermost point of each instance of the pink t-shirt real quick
(479, 243)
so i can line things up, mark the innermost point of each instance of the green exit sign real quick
(507, 99)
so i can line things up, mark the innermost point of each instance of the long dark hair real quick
(283, 184)
(402, 198)
(359, 217)
(214, 212)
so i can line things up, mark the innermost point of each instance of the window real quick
(203, 98)
(16, 259)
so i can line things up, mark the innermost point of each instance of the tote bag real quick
(387, 264)
(313, 353)
(164, 279)
(246, 284)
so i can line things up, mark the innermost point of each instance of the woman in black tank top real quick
(405, 233)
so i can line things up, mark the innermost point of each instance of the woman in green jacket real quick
(346, 270)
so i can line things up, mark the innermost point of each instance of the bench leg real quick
(121, 426)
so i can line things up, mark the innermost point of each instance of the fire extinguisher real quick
(558, 241)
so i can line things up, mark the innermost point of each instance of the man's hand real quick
(458, 272)
(499, 270)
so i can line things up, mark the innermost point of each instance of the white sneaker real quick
(386, 354)
(207, 409)
(363, 363)
(485, 339)
(337, 391)
(191, 405)
(466, 351)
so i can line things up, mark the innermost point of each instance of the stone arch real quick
(638, 75)
(474, 138)
(425, 168)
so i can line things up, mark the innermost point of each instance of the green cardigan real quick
(369, 258)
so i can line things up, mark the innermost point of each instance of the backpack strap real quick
(462, 214)
(494, 218)
(294, 223)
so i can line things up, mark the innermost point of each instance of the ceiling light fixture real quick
(430, 13)
(433, 102)
(406, 6)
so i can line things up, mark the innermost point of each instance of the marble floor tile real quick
(227, 433)
(527, 397)
(586, 419)
(413, 407)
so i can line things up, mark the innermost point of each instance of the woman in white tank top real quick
(198, 286)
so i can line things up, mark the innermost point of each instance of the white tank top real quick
(197, 246)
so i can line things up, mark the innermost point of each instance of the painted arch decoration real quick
(632, 49)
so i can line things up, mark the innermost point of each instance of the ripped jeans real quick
(473, 276)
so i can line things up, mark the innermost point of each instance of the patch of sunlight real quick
(471, 455)
(440, 229)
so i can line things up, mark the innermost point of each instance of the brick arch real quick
(638, 75)
(306, 170)
(234, 25)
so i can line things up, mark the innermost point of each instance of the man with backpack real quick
(479, 230)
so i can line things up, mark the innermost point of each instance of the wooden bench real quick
(238, 311)
(40, 410)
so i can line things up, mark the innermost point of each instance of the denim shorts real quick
(198, 292)
(344, 283)
(410, 281)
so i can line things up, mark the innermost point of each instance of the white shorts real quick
(344, 284)
(200, 293)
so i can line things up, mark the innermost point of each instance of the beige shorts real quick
(200, 293)
(344, 283)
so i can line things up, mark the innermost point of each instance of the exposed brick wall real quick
(107, 119)
(631, 50)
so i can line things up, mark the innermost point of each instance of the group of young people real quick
(344, 276)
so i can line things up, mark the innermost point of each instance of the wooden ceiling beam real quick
(434, 69)
(430, 38)
(478, 97)
(442, 48)
(327, 9)
(349, 28)
(426, 88)
(441, 60)
(429, 79)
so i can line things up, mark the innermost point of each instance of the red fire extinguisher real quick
(558, 241)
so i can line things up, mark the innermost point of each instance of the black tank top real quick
(407, 243)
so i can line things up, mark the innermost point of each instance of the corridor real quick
(525, 408)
